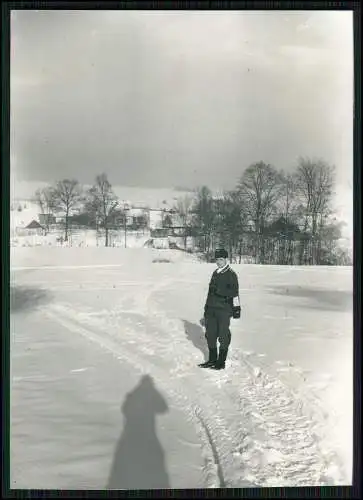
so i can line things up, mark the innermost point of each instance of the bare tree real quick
(44, 197)
(66, 195)
(287, 203)
(230, 219)
(284, 227)
(314, 182)
(141, 221)
(183, 207)
(260, 188)
(204, 214)
(102, 204)
(167, 221)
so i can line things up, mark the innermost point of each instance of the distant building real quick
(159, 233)
(34, 228)
(60, 219)
(158, 215)
(46, 219)
(155, 218)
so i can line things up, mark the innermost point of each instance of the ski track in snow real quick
(254, 431)
(144, 366)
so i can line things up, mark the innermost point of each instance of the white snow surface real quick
(87, 324)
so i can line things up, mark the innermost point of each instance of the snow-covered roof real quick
(33, 225)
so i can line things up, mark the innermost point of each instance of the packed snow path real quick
(246, 426)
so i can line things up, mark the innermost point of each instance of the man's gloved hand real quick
(202, 322)
(236, 312)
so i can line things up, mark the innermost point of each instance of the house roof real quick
(34, 225)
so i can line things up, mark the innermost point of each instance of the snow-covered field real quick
(106, 392)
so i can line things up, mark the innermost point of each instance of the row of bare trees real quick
(291, 213)
(270, 216)
(98, 206)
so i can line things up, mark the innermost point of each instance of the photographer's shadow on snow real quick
(196, 335)
(27, 298)
(139, 460)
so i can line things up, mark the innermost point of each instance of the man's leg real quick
(224, 337)
(211, 334)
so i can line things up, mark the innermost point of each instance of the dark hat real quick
(221, 253)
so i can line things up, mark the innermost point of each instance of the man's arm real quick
(210, 290)
(236, 306)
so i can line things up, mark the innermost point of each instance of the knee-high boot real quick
(212, 359)
(220, 364)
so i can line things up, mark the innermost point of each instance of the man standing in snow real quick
(222, 303)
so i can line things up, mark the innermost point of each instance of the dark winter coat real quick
(223, 293)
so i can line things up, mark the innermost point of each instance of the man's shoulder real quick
(232, 272)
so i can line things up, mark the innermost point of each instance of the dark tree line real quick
(271, 217)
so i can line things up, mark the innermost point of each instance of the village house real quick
(46, 219)
(31, 229)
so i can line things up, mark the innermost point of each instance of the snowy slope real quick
(279, 415)
(153, 197)
(23, 218)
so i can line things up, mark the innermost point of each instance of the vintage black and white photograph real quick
(181, 244)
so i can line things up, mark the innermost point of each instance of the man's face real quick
(221, 262)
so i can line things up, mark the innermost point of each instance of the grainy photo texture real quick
(181, 249)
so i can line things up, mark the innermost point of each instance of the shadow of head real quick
(144, 401)
(24, 298)
(139, 461)
(196, 335)
(327, 300)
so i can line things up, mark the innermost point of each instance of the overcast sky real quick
(162, 99)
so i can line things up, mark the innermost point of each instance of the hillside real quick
(155, 198)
